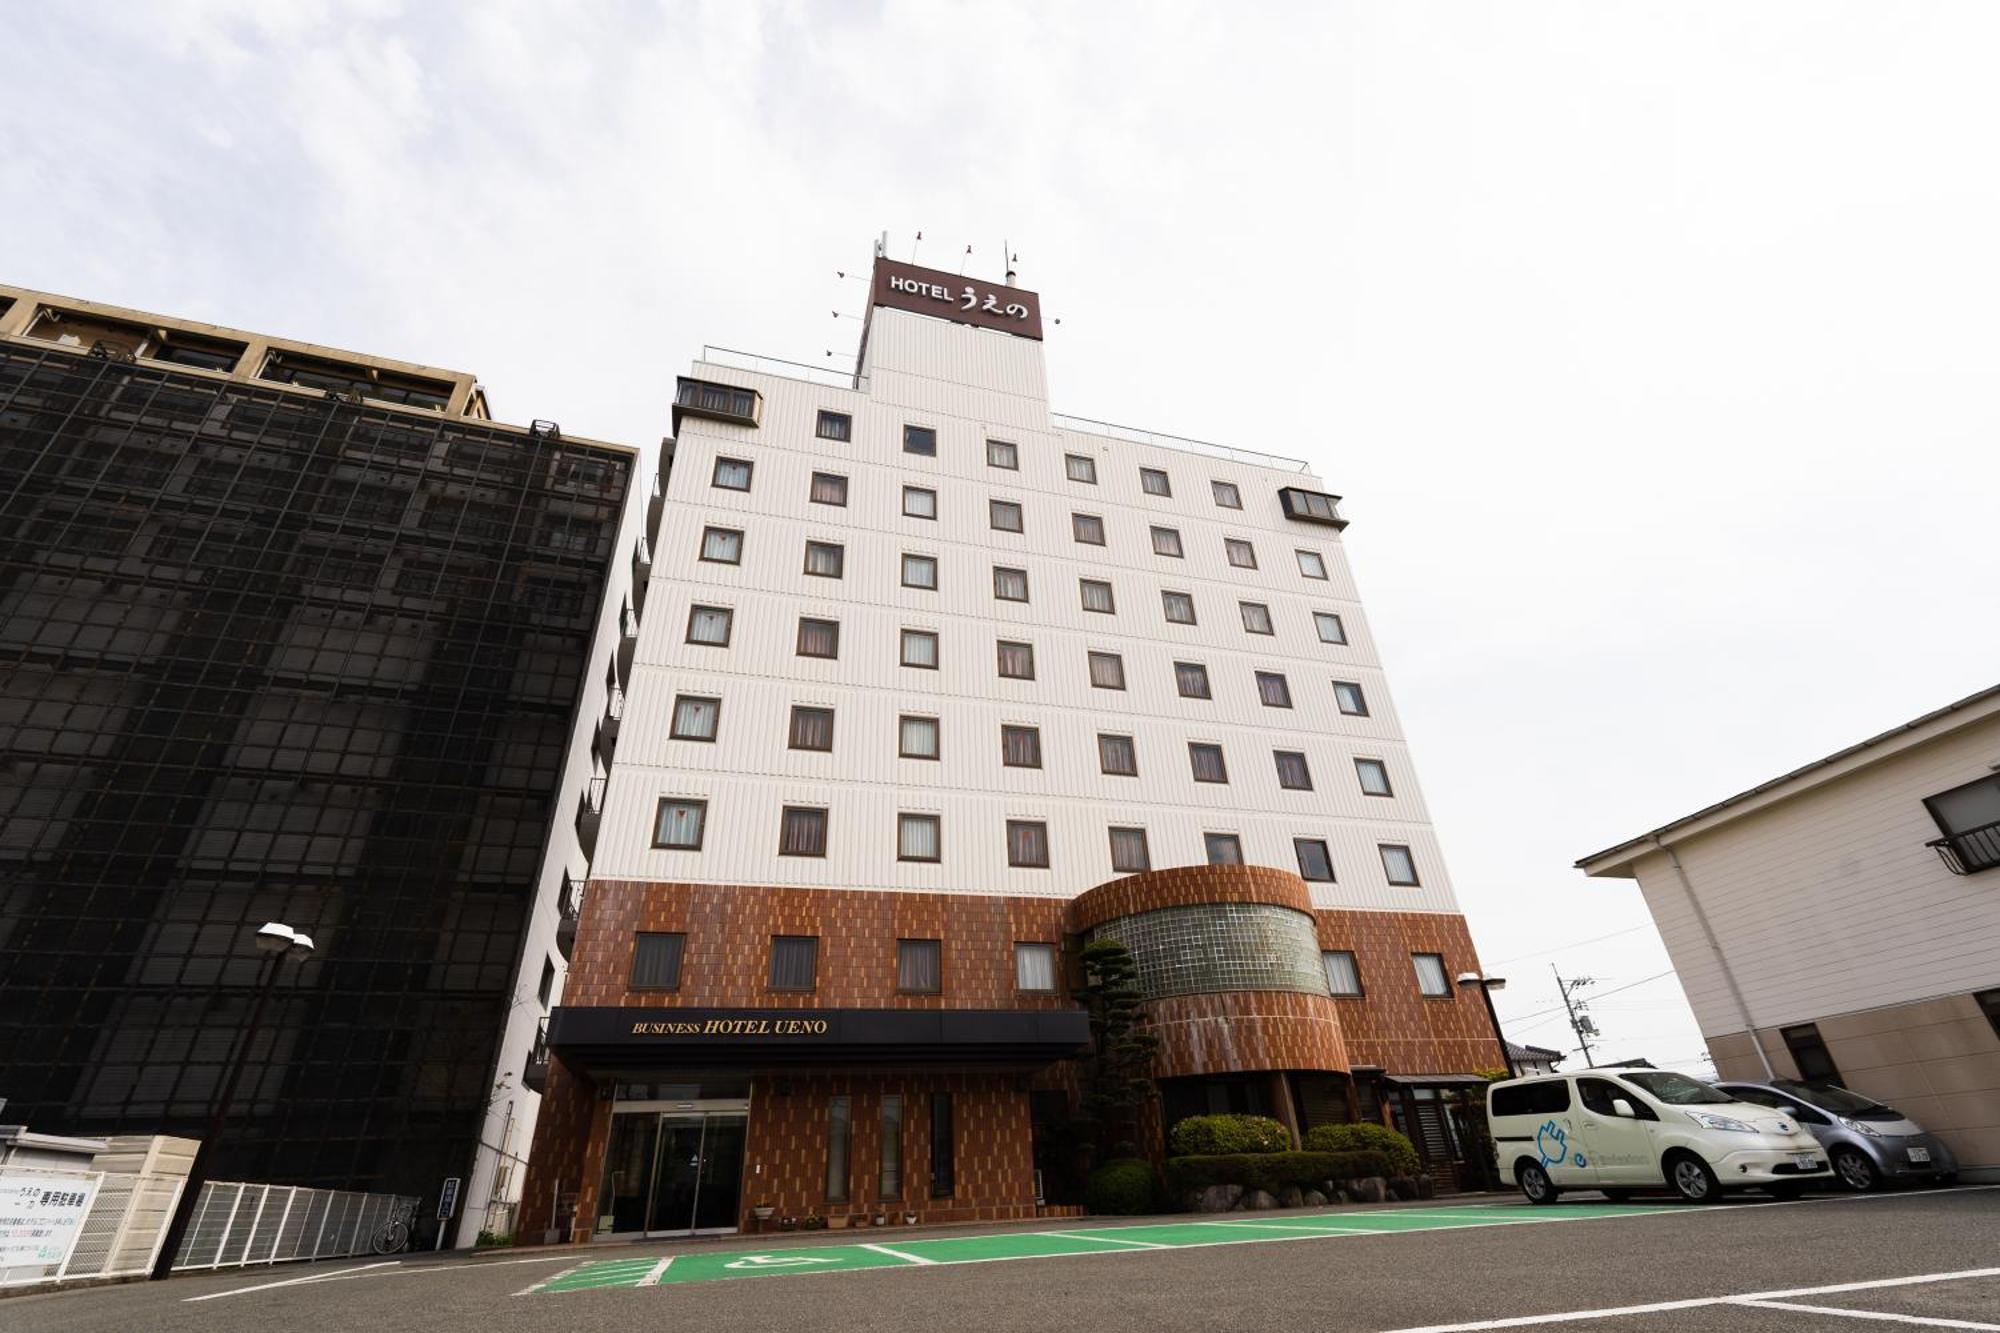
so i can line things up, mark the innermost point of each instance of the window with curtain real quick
(835, 426)
(1191, 679)
(824, 560)
(1293, 774)
(1207, 762)
(919, 738)
(1374, 776)
(731, 474)
(1129, 854)
(1117, 755)
(1028, 843)
(889, 1183)
(723, 546)
(829, 488)
(1256, 617)
(1273, 690)
(920, 966)
(1097, 597)
(1431, 976)
(1241, 553)
(839, 1146)
(1021, 747)
(1003, 515)
(1001, 454)
(1315, 861)
(1312, 565)
(794, 962)
(920, 649)
(1167, 542)
(920, 440)
(802, 831)
(1087, 529)
(1398, 864)
(710, 625)
(920, 571)
(656, 960)
(1330, 628)
(919, 838)
(1348, 696)
(1178, 607)
(944, 1152)
(694, 718)
(678, 825)
(812, 728)
(1343, 975)
(1077, 467)
(1226, 494)
(919, 502)
(1035, 967)
(1010, 585)
(1224, 849)
(1017, 660)
(1107, 671)
(819, 638)
(1155, 482)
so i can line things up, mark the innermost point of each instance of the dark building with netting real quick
(296, 635)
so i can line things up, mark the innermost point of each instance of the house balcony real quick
(642, 575)
(569, 909)
(628, 640)
(1969, 851)
(589, 812)
(535, 1076)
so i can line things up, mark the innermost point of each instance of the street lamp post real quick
(1487, 985)
(278, 942)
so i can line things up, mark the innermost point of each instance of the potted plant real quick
(909, 1219)
(762, 1212)
(813, 1222)
(881, 1218)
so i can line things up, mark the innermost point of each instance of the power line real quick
(1573, 944)
(1613, 991)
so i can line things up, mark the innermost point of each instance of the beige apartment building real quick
(1842, 922)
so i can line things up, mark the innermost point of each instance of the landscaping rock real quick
(1403, 1187)
(1291, 1196)
(1258, 1200)
(1314, 1199)
(1371, 1190)
(1217, 1198)
(1426, 1188)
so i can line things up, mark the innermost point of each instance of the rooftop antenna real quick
(1012, 259)
(913, 247)
(882, 245)
(961, 260)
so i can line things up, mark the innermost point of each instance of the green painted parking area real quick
(1066, 1242)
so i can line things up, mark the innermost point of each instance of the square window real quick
(656, 960)
(694, 718)
(920, 440)
(825, 560)
(920, 963)
(1117, 756)
(1178, 606)
(1097, 596)
(802, 831)
(1001, 454)
(678, 825)
(709, 625)
(1398, 864)
(1315, 862)
(1077, 467)
(722, 546)
(1348, 695)
(918, 738)
(920, 649)
(1107, 671)
(1129, 854)
(1087, 529)
(1224, 849)
(1374, 775)
(1035, 967)
(1154, 482)
(1343, 976)
(812, 728)
(1241, 553)
(1273, 691)
(731, 474)
(1017, 660)
(1003, 515)
(1021, 747)
(1293, 775)
(1028, 844)
(1312, 564)
(1256, 617)
(919, 502)
(794, 962)
(1226, 494)
(919, 838)
(829, 488)
(1432, 979)
(920, 571)
(1167, 542)
(818, 638)
(1207, 762)
(1329, 627)
(1010, 585)
(834, 426)
(1191, 679)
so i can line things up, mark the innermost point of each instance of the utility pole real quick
(1579, 1021)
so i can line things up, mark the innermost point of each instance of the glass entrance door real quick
(720, 1192)
(677, 1174)
(697, 1174)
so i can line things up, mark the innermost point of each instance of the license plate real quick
(1919, 1154)
(1806, 1160)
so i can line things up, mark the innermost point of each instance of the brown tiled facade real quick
(726, 966)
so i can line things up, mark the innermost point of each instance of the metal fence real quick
(237, 1224)
(120, 1234)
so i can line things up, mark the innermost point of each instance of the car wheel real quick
(1692, 1179)
(1855, 1170)
(1535, 1183)
(1617, 1196)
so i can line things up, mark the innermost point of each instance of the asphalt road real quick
(1782, 1257)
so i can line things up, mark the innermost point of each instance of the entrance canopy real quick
(633, 1037)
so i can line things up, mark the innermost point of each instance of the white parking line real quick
(1746, 1298)
(900, 1254)
(1107, 1240)
(289, 1282)
(1933, 1321)
(659, 1270)
(1301, 1226)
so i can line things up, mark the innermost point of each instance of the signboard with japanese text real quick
(929, 291)
(41, 1216)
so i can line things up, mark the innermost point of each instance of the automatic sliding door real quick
(677, 1178)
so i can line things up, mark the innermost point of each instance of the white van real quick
(1621, 1130)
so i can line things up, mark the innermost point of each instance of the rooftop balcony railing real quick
(1969, 851)
(569, 908)
(589, 812)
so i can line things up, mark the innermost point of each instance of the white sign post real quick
(41, 1217)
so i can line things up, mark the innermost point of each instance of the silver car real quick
(1869, 1144)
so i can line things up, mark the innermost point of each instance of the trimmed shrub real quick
(1208, 1135)
(1270, 1172)
(1124, 1187)
(1402, 1154)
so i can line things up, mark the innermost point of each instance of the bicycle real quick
(393, 1236)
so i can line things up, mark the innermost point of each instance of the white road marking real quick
(531, 1290)
(1300, 1226)
(290, 1282)
(1934, 1321)
(659, 1271)
(899, 1254)
(1108, 1240)
(1659, 1307)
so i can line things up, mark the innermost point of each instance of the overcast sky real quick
(1653, 346)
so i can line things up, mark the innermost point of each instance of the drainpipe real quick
(1715, 947)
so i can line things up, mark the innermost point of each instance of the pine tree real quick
(1117, 1075)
